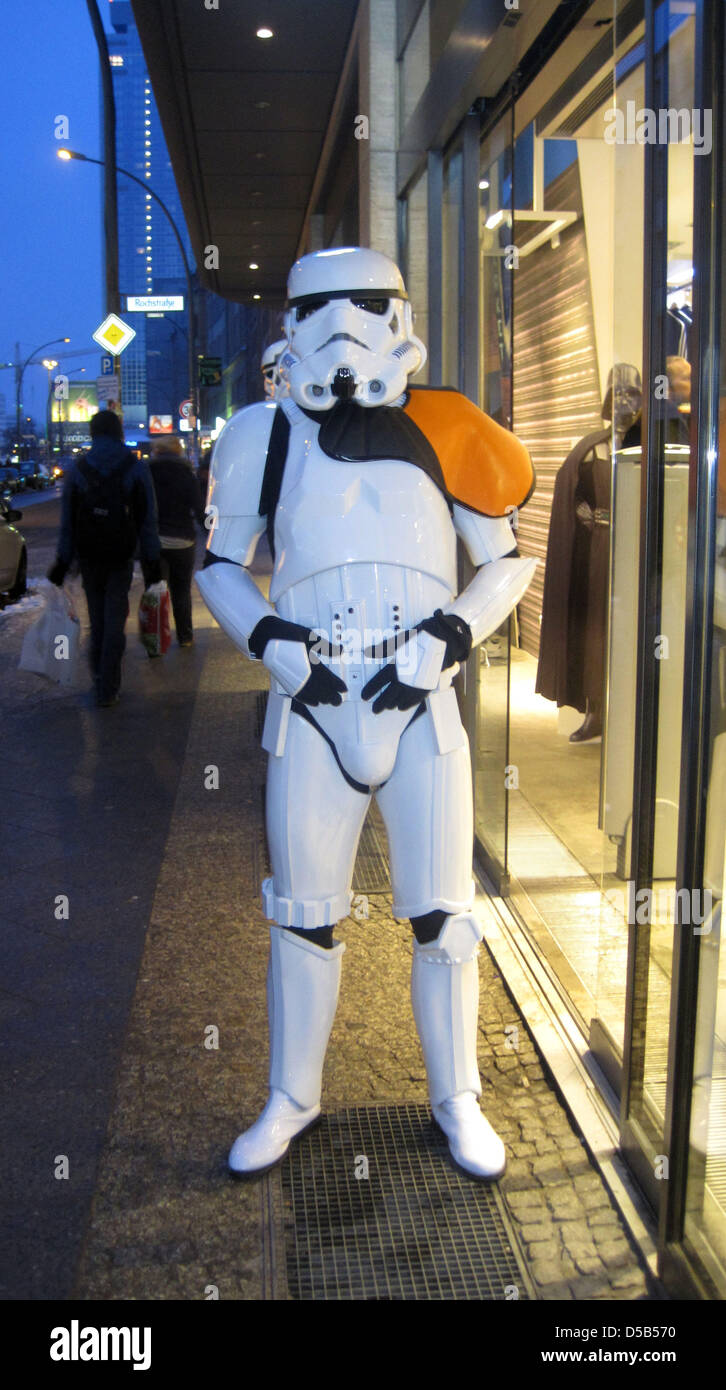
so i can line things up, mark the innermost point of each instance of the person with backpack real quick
(108, 509)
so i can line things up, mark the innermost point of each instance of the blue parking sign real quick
(106, 366)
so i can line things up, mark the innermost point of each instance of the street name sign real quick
(154, 303)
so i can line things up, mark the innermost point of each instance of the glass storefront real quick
(597, 184)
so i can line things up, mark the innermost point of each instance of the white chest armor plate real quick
(333, 515)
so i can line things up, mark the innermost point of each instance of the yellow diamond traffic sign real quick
(114, 335)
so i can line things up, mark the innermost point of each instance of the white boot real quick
(303, 981)
(445, 998)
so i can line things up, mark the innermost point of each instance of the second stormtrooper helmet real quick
(275, 386)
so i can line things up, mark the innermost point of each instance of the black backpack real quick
(106, 527)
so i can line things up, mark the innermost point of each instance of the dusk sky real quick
(51, 266)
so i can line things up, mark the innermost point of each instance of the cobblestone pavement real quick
(162, 1218)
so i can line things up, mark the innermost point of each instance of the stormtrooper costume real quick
(275, 386)
(363, 485)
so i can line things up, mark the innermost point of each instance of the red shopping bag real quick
(155, 619)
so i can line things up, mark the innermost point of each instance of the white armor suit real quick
(275, 387)
(363, 484)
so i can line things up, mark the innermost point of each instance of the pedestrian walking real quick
(108, 509)
(179, 503)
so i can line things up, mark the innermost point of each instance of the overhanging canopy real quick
(244, 120)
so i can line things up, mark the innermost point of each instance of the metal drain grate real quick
(371, 866)
(260, 710)
(414, 1229)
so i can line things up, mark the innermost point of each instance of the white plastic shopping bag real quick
(51, 645)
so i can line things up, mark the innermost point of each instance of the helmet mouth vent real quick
(343, 384)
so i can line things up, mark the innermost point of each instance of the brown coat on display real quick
(574, 608)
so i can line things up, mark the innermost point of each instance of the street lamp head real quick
(65, 153)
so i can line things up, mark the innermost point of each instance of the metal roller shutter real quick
(556, 396)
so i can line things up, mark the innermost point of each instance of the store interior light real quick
(483, 183)
(495, 220)
(254, 265)
(265, 34)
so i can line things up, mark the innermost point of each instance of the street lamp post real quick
(49, 363)
(191, 363)
(19, 372)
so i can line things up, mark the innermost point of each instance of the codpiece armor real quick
(363, 485)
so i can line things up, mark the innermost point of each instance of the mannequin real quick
(574, 609)
(363, 485)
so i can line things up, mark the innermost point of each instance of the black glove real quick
(396, 695)
(322, 687)
(57, 573)
(452, 630)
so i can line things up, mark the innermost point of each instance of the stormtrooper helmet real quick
(349, 330)
(270, 366)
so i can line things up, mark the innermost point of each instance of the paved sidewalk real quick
(166, 983)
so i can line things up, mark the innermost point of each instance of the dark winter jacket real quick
(178, 499)
(106, 455)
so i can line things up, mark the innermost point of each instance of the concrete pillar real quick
(377, 91)
(417, 267)
(316, 232)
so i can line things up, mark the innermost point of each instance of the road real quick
(24, 500)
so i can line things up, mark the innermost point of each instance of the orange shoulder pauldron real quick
(485, 467)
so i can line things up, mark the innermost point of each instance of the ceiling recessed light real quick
(254, 265)
(264, 34)
(256, 296)
(483, 183)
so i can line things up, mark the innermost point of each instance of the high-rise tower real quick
(148, 253)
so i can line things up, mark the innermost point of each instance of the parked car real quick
(30, 475)
(13, 553)
(9, 480)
